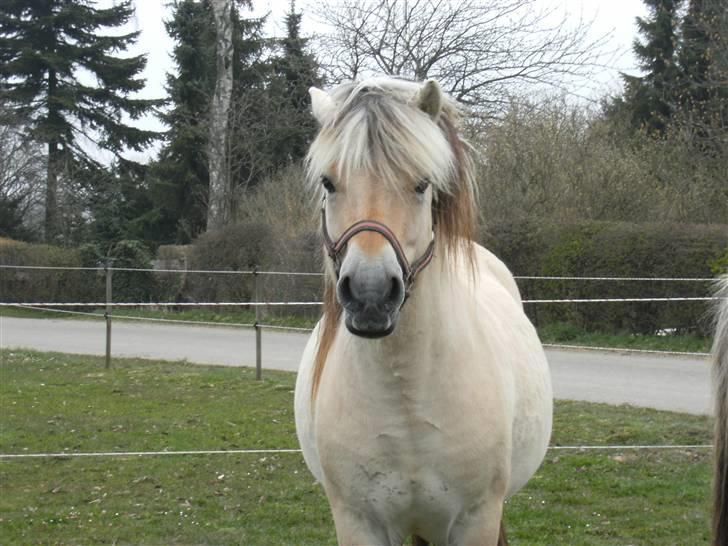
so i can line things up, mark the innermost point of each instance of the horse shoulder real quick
(488, 263)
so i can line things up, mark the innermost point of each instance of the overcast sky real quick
(613, 17)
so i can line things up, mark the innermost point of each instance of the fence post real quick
(258, 329)
(108, 270)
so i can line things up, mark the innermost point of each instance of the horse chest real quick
(414, 459)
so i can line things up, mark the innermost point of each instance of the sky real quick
(615, 18)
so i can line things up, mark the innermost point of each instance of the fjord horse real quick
(720, 382)
(423, 399)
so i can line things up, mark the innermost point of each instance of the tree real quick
(180, 179)
(703, 63)
(480, 52)
(45, 45)
(297, 71)
(219, 202)
(21, 178)
(652, 98)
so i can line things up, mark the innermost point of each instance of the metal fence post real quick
(258, 329)
(108, 270)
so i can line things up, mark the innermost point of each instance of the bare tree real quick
(22, 176)
(479, 51)
(219, 200)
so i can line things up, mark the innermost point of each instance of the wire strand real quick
(282, 451)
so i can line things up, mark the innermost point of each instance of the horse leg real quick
(355, 529)
(483, 527)
(502, 539)
(419, 541)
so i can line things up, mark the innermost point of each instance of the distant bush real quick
(132, 286)
(45, 285)
(555, 161)
(291, 212)
(241, 246)
(614, 249)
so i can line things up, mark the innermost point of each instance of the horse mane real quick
(378, 128)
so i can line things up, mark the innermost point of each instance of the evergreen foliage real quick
(179, 177)
(652, 97)
(297, 71)
(684, 55)
(48, 49)
(270, 123)
(704, 70)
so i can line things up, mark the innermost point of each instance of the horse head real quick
(392, 171)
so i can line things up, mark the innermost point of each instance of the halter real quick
(409, 271)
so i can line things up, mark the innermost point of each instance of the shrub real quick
(241, 246)
(44, 285)
(614, 249)
(132, 286)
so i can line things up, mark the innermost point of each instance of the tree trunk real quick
(220, 198)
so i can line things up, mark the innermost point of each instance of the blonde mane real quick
(378, 128)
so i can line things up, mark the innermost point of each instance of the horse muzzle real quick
(372, 290)
(371, 293)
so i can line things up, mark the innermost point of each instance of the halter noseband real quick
(409, 271)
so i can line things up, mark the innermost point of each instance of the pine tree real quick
(703, 78)
(180, 177)
(652, 98)
(298, 71)
(44, 44)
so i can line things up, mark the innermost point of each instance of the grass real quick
(57, 403)
(571, 335)
(221, 316)
(553, 333)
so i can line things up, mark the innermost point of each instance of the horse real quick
(423, 399)
(720, 382)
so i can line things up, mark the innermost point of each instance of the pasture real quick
(63, 403)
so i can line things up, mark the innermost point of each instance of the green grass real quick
(221, 316)
(56, 403)
(571, 335)
(553, 333)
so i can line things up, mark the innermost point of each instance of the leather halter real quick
(409, 271)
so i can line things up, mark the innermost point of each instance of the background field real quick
(62, 403)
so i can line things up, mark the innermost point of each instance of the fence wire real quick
(316, 303)
(68, 455)
(319, 274)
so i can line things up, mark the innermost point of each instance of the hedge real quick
(614, 249)
(528, 248)
(59, 285)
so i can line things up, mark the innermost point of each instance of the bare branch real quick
(479, 52)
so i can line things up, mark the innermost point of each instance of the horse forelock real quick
(378, 129)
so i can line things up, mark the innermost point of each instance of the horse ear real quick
(429, 99)
(322, 105)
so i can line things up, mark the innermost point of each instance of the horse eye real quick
(328, 184)
(422, 186)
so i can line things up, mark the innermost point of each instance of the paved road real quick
(668, 383)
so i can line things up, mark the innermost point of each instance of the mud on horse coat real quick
(423, 399)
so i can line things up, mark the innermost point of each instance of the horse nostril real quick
(344, 289)
(395, 291)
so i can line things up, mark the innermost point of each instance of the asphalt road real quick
(655, 381)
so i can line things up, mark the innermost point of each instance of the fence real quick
(259, 303)
(258, 325)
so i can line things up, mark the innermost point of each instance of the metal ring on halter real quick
(409, 271)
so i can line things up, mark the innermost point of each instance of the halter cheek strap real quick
(409, 271)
